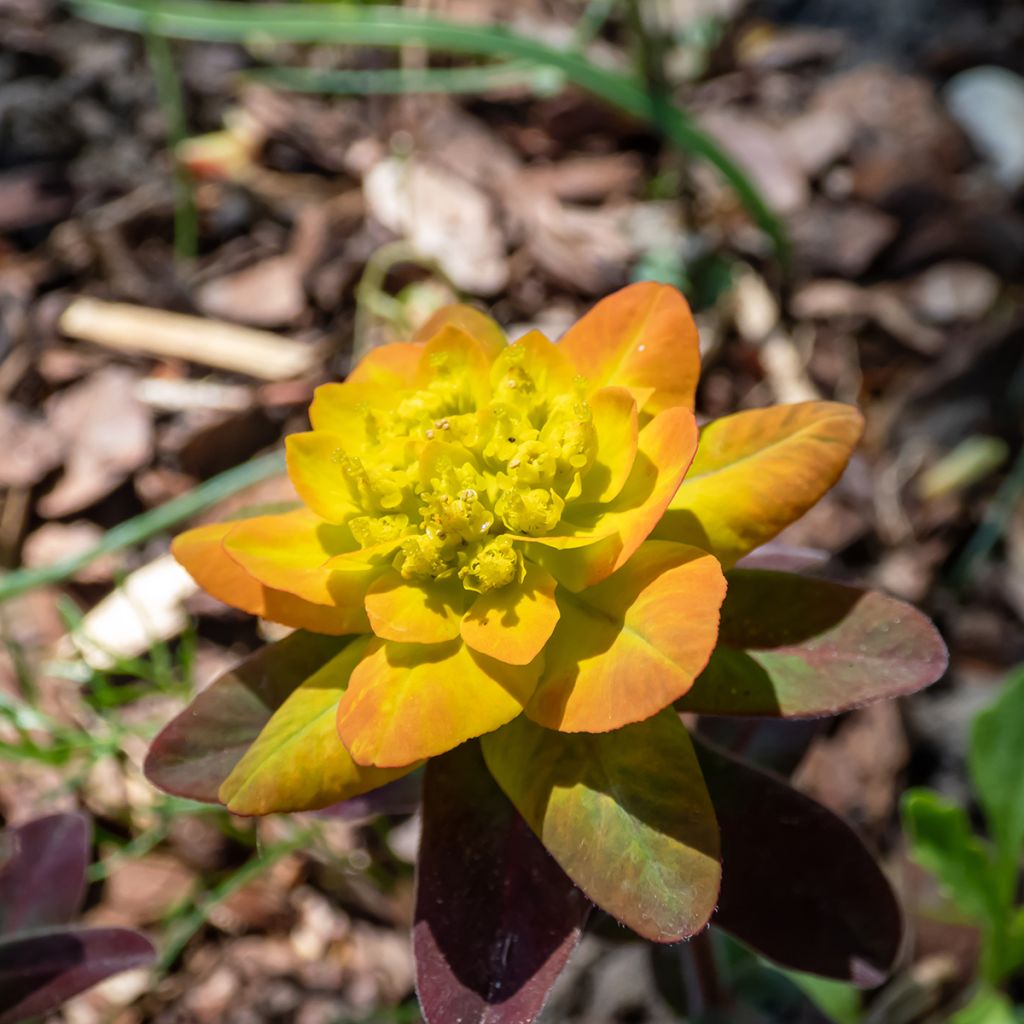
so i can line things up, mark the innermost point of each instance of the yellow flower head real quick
(507, 527)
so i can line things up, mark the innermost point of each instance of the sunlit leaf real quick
(197, 751)
(406, 702)
(298, 762)
(793, 647)
(496, 917)
(756, 472)
(629, 646)
(642, 338)
(625, 813)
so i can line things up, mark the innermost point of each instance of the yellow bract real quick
(480, 510)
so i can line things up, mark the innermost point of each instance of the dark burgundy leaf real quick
(38, 972)
(43, 882)
(792, 647)
(784, 558)
(403, 796)
(496, 917)
(196, 752)
(798, 884)
(778, 744)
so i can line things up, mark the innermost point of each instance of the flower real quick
(527, 529)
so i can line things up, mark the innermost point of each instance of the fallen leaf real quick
(444, 217)
(108, 435)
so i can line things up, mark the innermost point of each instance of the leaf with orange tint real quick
(758, 471)
(415, 612)
(315, 469)
(642, 338)
(298, 763)
(478, 325)
(455, 355)
(594, 540)
(631, 645)
(513, 623)
(546, 365)
(390, 366)
(625, 813)
(616, 425)
(201, 552)
(406, 702)
(342, 408)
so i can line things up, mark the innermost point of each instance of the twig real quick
(156, 332)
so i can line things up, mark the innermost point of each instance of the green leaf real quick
(839, 1002)
(298, 762)
(1015, 941)
(794, 647)
(625, 813)
(997, 746)
(941, 841)
(987, 1007)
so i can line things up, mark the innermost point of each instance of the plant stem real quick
(703, 991)
(172, 103)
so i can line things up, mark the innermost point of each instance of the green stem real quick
(142, 527)
(399, 81)
(172, 103)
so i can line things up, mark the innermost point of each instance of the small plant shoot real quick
(982, 877)
(518, 565)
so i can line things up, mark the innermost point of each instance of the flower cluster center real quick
(459, 470)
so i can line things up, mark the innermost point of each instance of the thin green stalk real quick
(172, 103)
(399, 81)
(142, 527)
(219, 21)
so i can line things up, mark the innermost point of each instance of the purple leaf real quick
(793, 647)
(40, 971)
(778, 744)
(798, 884)
(784, 558)
(496, 917)
(43, 882)
(197, 751)
(403, 796)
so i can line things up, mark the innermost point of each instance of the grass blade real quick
(142, 527)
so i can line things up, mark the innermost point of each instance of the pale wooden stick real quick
(156, 332)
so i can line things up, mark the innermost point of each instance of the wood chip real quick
(155, 332)
(148, 608)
